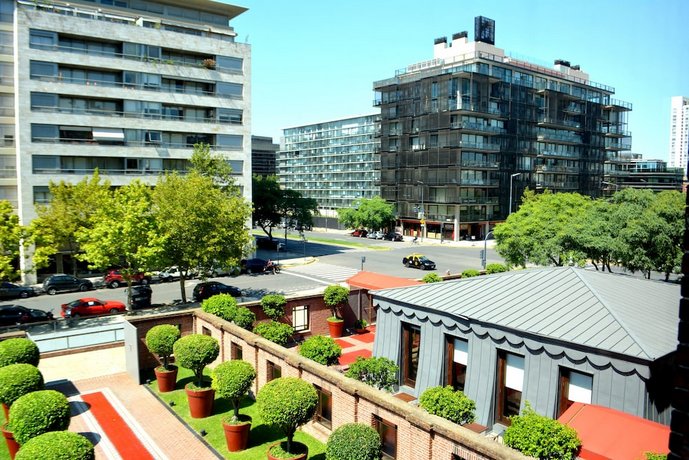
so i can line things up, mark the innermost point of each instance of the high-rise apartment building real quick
(263, 156)
(123, 86)
(334, 162)
(679, 132)
(463, 134)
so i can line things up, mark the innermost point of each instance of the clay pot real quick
(12, 445)
(200, 402)
(335, 328)
(237, 435)
(296, 457)
(167, 380)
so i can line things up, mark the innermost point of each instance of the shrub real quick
(38, 412)
(322, 349)
(469, 273)
(655, 456)
(17, 380)
(195, 352)
(20, 350)
(274, 306)
(245, 318)
(541, 437)
(447, 403)
(57, 445)
(160, 340)
(287, 403)
(334, 296)
(231, 380)
(380, 373)
(431, 278)
(496, 268)
(353, 441)
(279, 333)
(360, 324)
(223, 306)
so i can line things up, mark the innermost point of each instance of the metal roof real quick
(610, 312)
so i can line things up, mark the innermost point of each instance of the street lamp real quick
(423, 215)
(484, 255)
(512, 177)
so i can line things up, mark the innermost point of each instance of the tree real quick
(272, 204)
(353, 441)
(212, 166)
(297, 209)
(11, 234)
(232, 380)
(375, 213)
(595, 235)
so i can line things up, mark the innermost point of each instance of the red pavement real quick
(348, 358)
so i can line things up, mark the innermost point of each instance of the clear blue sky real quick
(317, 60)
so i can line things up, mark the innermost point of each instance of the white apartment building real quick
(123, 86)
(679, 132)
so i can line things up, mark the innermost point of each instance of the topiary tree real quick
(380, 372)
(279, 333)
(16, 380)
(496, 268)
(19, 350)
(447, 403)
(160, 340)
(195, 352)
(245, 318)
(469, 273)
(38, 412)
(322, 349)
(287, 403)
(57, 445)
(541, 437)
(353, 441)
(334, 296)
(274, 306)
(232, 380)
(221, 305)
(431, 278)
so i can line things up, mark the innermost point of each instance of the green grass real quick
(322, 240)
(260, 437)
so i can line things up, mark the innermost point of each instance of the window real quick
(235, 351)
(228, 141)
(233, 116)
(230, 64)
(388, 436)
(237, 166)
(233, 90)
(44, 133)
(300, 318)
(324, 410)
(205, 330)
(43, 69)
(42, 39)
(274, 371)
(411, 343)
(154, 137)
(41, 194)
(573, 387)
(457, 358)
(510, 381)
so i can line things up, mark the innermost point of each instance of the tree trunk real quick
(129, 294)
(181, 287)
(595, 265)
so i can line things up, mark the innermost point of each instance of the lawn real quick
(325, 240)
(260, 437)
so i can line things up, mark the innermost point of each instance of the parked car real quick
(114, 279)
(393, 236)
(141, 297)
(90, 306)
(65, 283)
(377, 235)
(173, 274)
(11, 315)
(207, 289)
(266, 243)
(359, 232)
(14, 291)
(418, 261)
(253, 265)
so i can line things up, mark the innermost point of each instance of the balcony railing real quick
(480, 164)
(120, 114)
(480, 146)
(125, 143)
(558, 122)
(473, 126)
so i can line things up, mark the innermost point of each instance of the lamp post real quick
(485, 247)
(423, 215)
(512, 176)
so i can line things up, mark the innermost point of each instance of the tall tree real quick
(207, 164)
(267, 196)
(374, 213)
(10, 238)
(595, 236)
(297, 209)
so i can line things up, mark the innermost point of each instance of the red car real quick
(359, 232)
(90, 306)
(114, 279)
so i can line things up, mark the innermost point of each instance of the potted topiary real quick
(353, 441)
(232, 380)
(195, 352)
(449, 404)
(160, 340)
(321, 349)
(334, 297)
(279, 333)
(16, 380)
(273, 306)
(360, 326)
(57, 445)
(38, 412)
(288, 403)
(19, 350)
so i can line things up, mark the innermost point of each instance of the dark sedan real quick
(11, 315)
(253, 265)
(14, 291)
(202, 291)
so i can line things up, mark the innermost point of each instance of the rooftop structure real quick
(679, 132)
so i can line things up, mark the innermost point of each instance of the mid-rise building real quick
(263, 156)
(125, 86)
(679, 132)
(465, 133)
(334, 162)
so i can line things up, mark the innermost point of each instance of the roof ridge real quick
(640, 343)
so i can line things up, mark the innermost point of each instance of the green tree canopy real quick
(374, 213)
(11, 234)
(272, 204)
(216, 167)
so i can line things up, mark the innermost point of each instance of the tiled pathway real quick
(356, 345)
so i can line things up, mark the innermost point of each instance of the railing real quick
(481, 146)
(88, 171)
(617, 130)
(122, 142)
(558, 122)
(487, 182)
(573, 138)
(556, 169)
(480, 164)
(120, 114)
(473, 126)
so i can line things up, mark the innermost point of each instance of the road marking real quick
(322, 271)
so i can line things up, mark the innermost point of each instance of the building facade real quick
(334, 162)
(630, 170)
(126, 87)
(679, 132)
(263, 156)
(463, 134)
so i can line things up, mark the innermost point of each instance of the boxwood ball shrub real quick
(379, 372)
(17, 380)
(541, 437)
(469, 273)
(322, 349)
(431, 278)
(353, 441)
(496, 268)
(244, 318)
(287, 403)
(38, 412)
(232, 380)
(19, 350)
(161, 339)
(334, 296)
(279, 333)
(449, 404)
(223, 306)
(195, 352)
(273, 306)
(57, 445)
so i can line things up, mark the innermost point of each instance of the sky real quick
(315, 61)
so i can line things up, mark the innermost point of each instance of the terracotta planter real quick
(237, 436)
(167, 380)
(12, 445)
(336, 328)
(302, 456)
(200, 402)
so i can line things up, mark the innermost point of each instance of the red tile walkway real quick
(356, 345)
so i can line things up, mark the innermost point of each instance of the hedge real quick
(16, 380)
(57, 445)
(221, 305)
(379, 372)
(245, 318)
(431, 278)
(496, 268)
(274, 306)
(469, 273)
(353, 441)
(38, 412)
(541, 437)
(279, 333)
(195, 352)
(322, 349)
(449, 404)
(19, 350)
(161, 339)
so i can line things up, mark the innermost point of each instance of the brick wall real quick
(184, 319)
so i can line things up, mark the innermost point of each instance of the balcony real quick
(484, 146)
(478, 128)
(557, 169)
(144, 115)
(558, 123)
(480, 164)
(618, 105)
(480, 182)
(617, 144)
(566, 137)
(615, 131)
(465, 106)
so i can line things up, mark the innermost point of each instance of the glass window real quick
(229, 115)
(457, 359)
(411, 345)
(45, 162)
(229, 63)
(510, 381)
(300, 318)
(40, 100)
(44, 133)
(573, 387)
(388, 436)
(42, 38)
(224, 89)
(228, 141)
(236, 351)
(43, 69)
(273, 371)
(324, 410)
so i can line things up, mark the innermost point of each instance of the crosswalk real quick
(324, 272)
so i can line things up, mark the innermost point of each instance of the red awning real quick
(373, 281)
(609, 434)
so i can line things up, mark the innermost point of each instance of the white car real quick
(173, 273)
